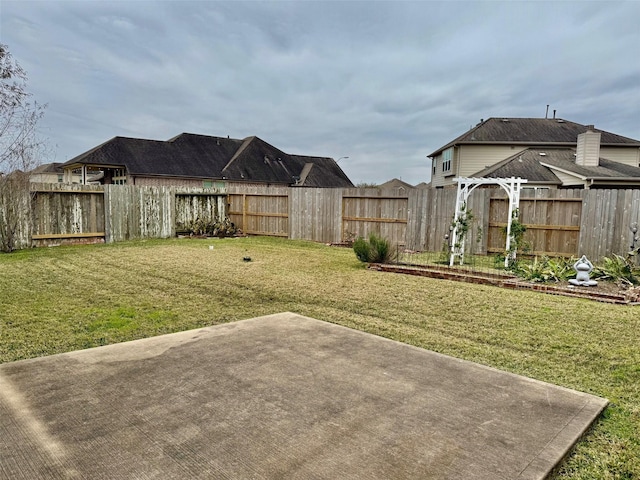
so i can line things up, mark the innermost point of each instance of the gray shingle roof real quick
(532, 131)
(531, 164)
(395, 183)
(606, 168)
(55, 167)
(201, 156)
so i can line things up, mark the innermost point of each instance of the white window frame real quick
(119, 176)
(447, 160)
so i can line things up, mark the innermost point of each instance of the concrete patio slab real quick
(282, 396)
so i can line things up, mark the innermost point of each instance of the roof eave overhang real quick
(533, 183)
(505, 142)
(265, 182)
(565, 171)
(73, 166)
(614, 181)
(166, 175)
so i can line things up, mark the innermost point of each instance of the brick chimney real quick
(588, 149)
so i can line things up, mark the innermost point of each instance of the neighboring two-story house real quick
(548, 152)
(201, 161)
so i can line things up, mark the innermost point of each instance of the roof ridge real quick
(246, 142)
(305, 173)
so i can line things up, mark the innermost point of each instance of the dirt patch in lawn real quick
(604, 292)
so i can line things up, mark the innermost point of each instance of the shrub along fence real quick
(559, 222)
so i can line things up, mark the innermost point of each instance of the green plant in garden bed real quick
(545, 269)
(617, 269)
(462, 224)
(374, 250)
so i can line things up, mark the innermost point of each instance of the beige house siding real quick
(474, 158)
(440, 178)
(436, 175)
(437, 179)
(569, 180)
(628, 156)
(470, 159)
(44, 178)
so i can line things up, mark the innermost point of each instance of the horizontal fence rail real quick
(558, 222)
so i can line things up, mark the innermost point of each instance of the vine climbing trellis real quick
(462, 215)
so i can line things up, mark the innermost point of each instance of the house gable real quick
(321, 172)
(396, 183)
(257, 160)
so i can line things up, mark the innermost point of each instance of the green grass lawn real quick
(59, 299)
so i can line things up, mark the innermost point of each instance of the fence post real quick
(107, 214)
(244, 212)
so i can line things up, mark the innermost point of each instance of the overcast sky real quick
(383, 83)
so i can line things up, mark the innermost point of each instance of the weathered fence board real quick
(67, 212)
(15, 213)
(416, 213)
(315, 214)
(552, 219)
(382, 212)
(198, 206)
(606, 228)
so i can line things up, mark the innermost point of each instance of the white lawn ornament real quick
(583, 268)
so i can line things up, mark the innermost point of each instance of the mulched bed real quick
(603, 292)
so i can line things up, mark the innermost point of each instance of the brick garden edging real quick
(501, 280)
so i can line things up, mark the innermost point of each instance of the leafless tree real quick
(20, 147)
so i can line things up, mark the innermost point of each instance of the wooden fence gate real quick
(260, 214)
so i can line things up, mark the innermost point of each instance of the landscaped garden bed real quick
(604, 292)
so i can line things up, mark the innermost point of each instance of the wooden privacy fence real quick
(559, 222)
(112, 213)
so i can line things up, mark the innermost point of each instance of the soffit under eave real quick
(97, 166)
(614, 181)
(503, 143)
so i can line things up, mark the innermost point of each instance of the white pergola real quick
(467, 185)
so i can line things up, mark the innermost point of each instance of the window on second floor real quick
(447, 157)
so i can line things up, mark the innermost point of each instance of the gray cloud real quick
(384, 83)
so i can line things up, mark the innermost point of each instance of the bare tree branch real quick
(20, 149)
